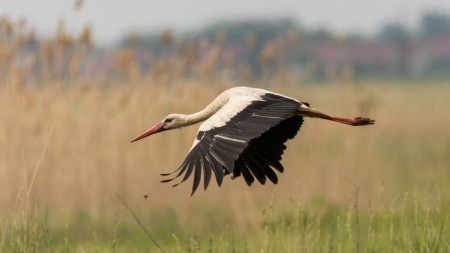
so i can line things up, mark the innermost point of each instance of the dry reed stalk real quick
(124, 61)
(77, 5)
(166, 36)
(347, 75)
(38, 164)
(86, 36)
(136, 218)
(75, 64)
(47, 59)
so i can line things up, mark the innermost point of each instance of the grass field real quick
(65, 157)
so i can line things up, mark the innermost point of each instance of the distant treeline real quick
(268, 46)
(268, 50)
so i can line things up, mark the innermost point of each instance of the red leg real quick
(358, 121)
(314, 113)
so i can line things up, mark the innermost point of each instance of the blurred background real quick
(80, 79)
(284, 41)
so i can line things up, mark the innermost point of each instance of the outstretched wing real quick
(263, 154)
(222, 140)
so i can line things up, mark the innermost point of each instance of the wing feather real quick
(207, 168)
(197, 175)
(228, 145)
(248, 177)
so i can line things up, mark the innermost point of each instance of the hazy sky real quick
(111, 18)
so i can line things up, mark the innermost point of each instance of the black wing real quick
(263, 154)
(231, 148)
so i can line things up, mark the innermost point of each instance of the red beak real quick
(156, 129)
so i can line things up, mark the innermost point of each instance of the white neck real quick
(208, 111)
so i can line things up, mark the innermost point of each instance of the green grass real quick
(402, 226)
(347, 230)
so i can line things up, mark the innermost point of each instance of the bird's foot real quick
(360, 121)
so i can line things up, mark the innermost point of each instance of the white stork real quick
(244, 134)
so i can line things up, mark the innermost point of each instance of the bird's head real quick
(171, 121)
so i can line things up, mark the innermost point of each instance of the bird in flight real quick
(244, 133)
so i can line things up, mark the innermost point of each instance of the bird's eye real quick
(167, 120)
